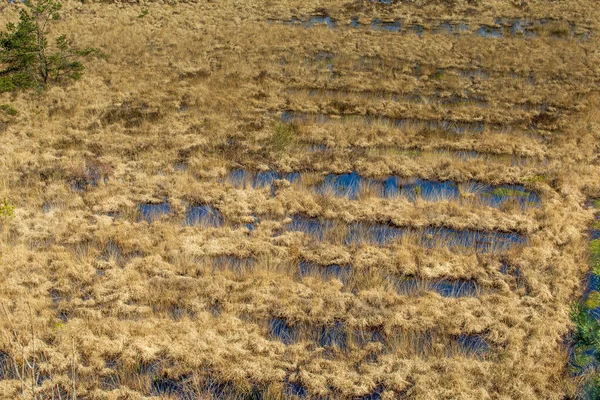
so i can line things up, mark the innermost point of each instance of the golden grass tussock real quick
(176, 232)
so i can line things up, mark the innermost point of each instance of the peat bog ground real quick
(306, 199)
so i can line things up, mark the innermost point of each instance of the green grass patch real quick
(413, 153)
(284, 136)
(537, 178)
(6, 209)
(595, 255)
(506, 192)
(586, 337)
(559, 29)
(418, 191)
(9, 110)
(593, 300)
(583, 356)
(439, 75)
(587, 330)
(591, 391)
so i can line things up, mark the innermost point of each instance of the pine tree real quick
(26, 59)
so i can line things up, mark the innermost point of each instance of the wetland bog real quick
(316, 199)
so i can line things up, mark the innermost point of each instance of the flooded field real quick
(374, 199)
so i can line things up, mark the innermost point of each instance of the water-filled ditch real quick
(382, 234)
(352, 185)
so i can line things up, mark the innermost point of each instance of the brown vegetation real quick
(96, 298)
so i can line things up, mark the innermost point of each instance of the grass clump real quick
(537, 178)
(593, 300)
(284, 136)
(6, 209)
(586, 348)
(595, 256)
(8, 109)
(587, 330)
(558, 28)
(418, 192)
(506, 192)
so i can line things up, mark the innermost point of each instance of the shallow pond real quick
(204, 215)
(151, 212)
(381, 234)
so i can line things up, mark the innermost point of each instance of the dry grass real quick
(95, 296)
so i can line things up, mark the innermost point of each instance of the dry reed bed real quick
(375, 137)
(502, 27)
(312, 151)
(84, 169)
(387, 51)
(374, 161)
(419, 119)
(359, 133)
(403, 256)
(441, 97)
(528, 96)
(453, 72)
(127, 300)
(420, 13)
(353, 52)
(383, 72)
(379, 139)
(458, 102)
